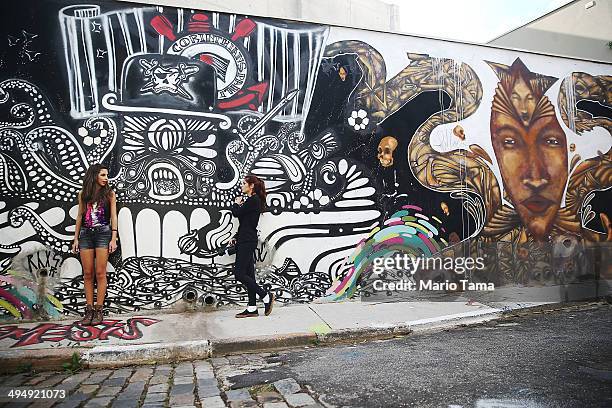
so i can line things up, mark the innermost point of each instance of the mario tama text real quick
(420, 271)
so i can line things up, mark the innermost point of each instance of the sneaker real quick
(246, 313)
(89, 312)
(268, 306)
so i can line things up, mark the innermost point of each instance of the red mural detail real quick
(52, 332)
(244, 29)
(247, 97)
(207, 59)
(198, 24)
(163, 26)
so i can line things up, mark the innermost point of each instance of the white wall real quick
(572, 31)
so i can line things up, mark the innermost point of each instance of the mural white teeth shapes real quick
(174, 226)
(166, 182)
(126, 232)
(148, 233)
(169, 230)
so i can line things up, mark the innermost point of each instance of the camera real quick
(226, 250)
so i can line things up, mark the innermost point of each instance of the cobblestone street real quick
(203, 384)
(539, 359)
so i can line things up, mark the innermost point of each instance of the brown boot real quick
(98, 315)
(89, 312)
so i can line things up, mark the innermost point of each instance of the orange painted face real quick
(530, 146)
(533, 164)
(523, 101)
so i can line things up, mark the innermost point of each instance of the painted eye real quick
(508, 141)
(553, 141)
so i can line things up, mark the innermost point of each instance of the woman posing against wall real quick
(95, 237)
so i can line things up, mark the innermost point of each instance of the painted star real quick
(32, 55)
(12, 40)
(100, 53)
(96, 27)
(28, 37)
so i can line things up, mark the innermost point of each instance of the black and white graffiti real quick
(169, 78)
(183, 104)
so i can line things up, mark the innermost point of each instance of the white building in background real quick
(581, 28)
(368, 14)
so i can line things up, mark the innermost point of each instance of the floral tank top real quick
(96, 214)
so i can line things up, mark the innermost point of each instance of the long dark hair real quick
(260, 189)
(90, 192)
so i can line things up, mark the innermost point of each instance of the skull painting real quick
(459, 132)
(386, 147)
(168, 79)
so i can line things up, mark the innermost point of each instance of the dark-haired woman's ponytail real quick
(260, 189)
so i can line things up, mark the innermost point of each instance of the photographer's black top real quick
(248, 215)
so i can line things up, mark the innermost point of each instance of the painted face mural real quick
(495, 157)
(530, 147)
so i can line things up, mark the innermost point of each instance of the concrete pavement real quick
(146, 338)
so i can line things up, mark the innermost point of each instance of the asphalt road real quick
(550, 359)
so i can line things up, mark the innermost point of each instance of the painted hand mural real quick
(501, 153)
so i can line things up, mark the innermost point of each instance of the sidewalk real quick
(144, 338)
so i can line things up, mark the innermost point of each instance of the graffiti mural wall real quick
(364, 139)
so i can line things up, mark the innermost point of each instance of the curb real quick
(133, 354)
(114, 356)
(224, 347)
(39, 359)
(456, 320)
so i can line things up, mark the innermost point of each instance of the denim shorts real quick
(96, 237)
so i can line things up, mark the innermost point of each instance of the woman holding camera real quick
(248, 212)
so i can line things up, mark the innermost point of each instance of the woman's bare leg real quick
(87, 261)
(101, 260)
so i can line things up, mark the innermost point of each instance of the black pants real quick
(244, 270)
